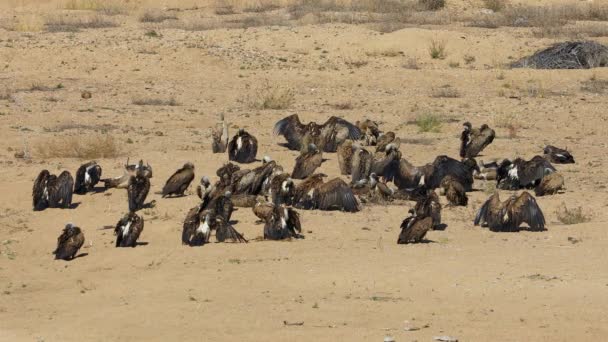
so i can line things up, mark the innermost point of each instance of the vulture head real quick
(467, 126)
(266, 159)
(189, 165)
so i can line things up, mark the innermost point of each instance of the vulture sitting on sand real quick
(414, 228)
(517, 174)
(327, 137)
(427, 205)
(128, 229)
(198, 226)
(372, 190)
(442, 166)
(369, 132)
(384, 140)
(69, 242)
(361, 166)
(345, 156)
(557, 155)
(473, 140)
(281, 189)
(307, 162)
(243, 148)
(87, 176)
(454, 191)
(52, 191)
(263, 209)
(507, 216)
(129, 170)
(137, 190)
(177, 184)
(335, 194)
(551, 184)
(283, 223)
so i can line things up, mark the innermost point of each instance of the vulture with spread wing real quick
(508, 216)
(243, 147)
(335, 194)
(177, 184)
(128, 229)
(69, 242)
(473, 140)
(557, 155)
(87, 176)
(224, 231)
(433, 174)
(52, 191)
(517, 174)
(283, 223)
(327, 136)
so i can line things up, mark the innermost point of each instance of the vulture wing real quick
(292, 129)
(225, 231)
(558, 155)
(39, 200)
(480, 139)
(403, 174)
(137, 192)
(534, 170)
(293, 221)
(306, 164)
(191, 223)
(414, 229)
(68, 243)
(524, 209)
(335, 195)
(79, 186)
(335, 131)
(178, 182)
(384, 140)
(345, 157)
(444, 166)
(361, 165)
(61, 191)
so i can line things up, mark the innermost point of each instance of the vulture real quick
(454, 191)
(433, 174)
(327, 136)
(487, 171)
(204, 188)
(52, 191)
(224, 231)
(243, 147)
(129, 170)
(517, 174)
(179, 181)
(370, 131)
(128, 229)
(414, 228)
(252, 182)
(507, 216)
(137, 190)
(197, 226)
(263, 209)
(243, 200)
(281, 189)
(473, 140)
(283, 223)
(335, 194)
(226, 171)
(87, 176)
(372, 190)
(557, 155)
(384, 140)
(307, 163)
(386, 162)
(345, 156)
(361, 164)
(404, 175)
(69, 242)
(428, 205)
(550, 184)
(219, 134)
(224, 206)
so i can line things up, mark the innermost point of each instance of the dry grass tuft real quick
(495, 5)
(445, 91)
(437, 49)
(571, 216)
(224, 10)
(72, 24)
(595, 85)
(510, 123)
(261, 6)
(28, 23)
(156, 16)
(428, 123)
(390, 52)
(346, 105)
(155, 102)
(273, 97)
(106, 7)
(431, 5)
(81, 147)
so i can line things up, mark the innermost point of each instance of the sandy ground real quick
(348, 280)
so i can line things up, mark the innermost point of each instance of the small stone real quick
(86, 94)
(20, 154)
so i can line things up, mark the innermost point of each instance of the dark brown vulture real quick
(220, 137)
(137, 190)
(252, 182)
(386, 162)
(507, 216)
(129, 171)
(128, 229)
(443, 166)
(224, 206)
(243, 147)
(307, 163)
(345, 156)
(284, 223)
(87, 176)
(69, 242)
(384, 140)
(454, 191)
(312, 193)
(361, 164)
(179, 181)
(225, 173)
(522, 174)
(404, 175)
(557, 155)
(197, 226)
(473, 141)
(50, 191)
(414, 228)
(327, 136)
(263, 209)
(551, 184)
(224, 231)
(369, 130)
(281, 189)
(428, 205)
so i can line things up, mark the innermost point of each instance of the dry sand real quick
(348, 280)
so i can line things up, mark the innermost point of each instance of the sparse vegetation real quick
(411, 63)
(391, 52)
(356, 63)
(431, 5)
(262, 6)
(82, 147)
(595, 85)
(445, 91)
(224, 10)
(75, 24)
(28, 23)
(273, 97)
(468, 59)
(155, 16)
(346, 105)
(495, 5)
(428, 123)
(437, 49)
(155, 102)
(569, 216)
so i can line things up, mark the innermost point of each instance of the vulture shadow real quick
(440, 227)
(81, 255)
(99, 189)
(233, 221)
(73, 205)
(149, 205)
(143, 243)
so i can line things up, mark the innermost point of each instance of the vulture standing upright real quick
(281, 189)
(473, 141)
(69, 242)
(361, 165)
(327, 137)
(307, 163)
(52, 191)
(219, 134)
(345, 156)
(179, 181)
(557, 155)
(414, 228)
(428, 205)
(128, 229)
(243, 147)
(87, 176)
(507, 216)
(454, 191)
(224, 206)
(197, 226)
(137, 190)
(284, 223)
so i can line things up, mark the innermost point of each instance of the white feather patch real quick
(126, 229)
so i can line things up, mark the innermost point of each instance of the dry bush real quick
(355, 63)
(437, 49)
(431, 5)
(571, 216)
(428, 123)
(27, 23)
(468, 59)
(107, 7)
(82, 147)
(445, 91)
(224, 10)
(346, 105)
(155, 102)
(510, 122)
(72, 24)
(494, 5)
(595, 85)
(390, 52)
(156, 16)
(261, 6)
(303, 7)
(273, 97)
